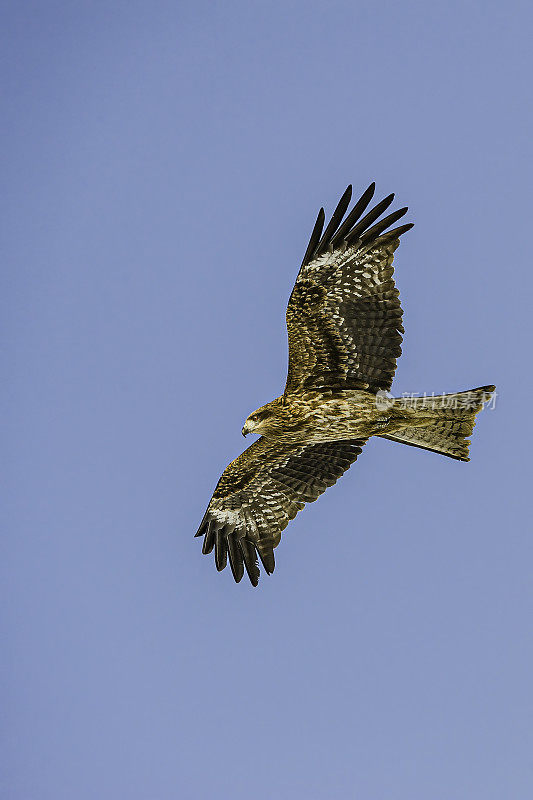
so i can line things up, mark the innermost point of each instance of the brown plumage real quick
(344, 323)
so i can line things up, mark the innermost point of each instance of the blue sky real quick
(164, 163)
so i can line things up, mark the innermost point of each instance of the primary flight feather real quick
(344, 323)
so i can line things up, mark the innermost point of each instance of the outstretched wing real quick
(344, 317)
(260, 492)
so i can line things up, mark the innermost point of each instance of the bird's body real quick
(314, 417)
(344, 323)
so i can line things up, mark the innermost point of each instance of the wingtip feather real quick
(203, 526)
(267, 560)
(250, 561)
(221, 550)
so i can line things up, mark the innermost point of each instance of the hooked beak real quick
(245, 430)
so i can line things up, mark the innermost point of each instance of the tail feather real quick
(455, 417)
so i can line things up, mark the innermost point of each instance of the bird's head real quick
(263, 421)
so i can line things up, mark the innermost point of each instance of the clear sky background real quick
(163, 166)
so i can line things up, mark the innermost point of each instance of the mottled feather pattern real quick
(456, 421)
(261, 491)
(344, 321)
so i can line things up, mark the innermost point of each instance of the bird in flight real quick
(344, 323)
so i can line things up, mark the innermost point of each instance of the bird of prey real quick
(344, 323)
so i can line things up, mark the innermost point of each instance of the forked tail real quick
(455, 417)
